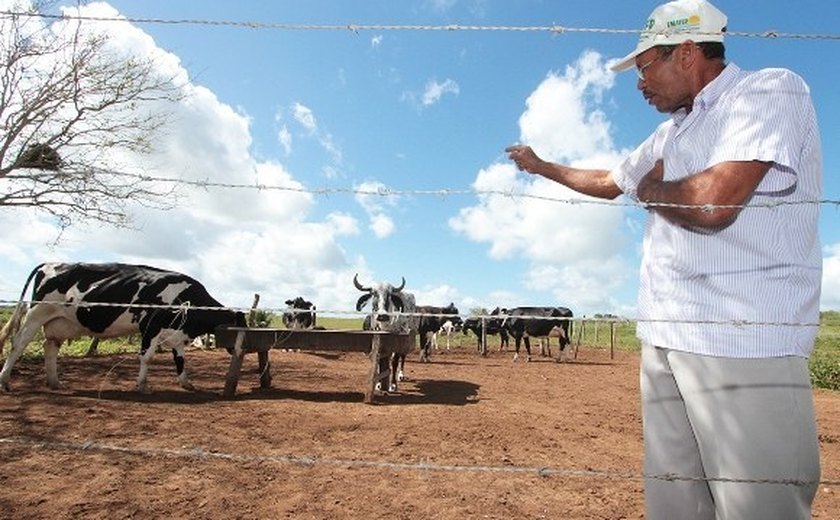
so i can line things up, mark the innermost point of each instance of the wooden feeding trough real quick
(377, 344)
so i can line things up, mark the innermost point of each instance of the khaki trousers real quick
(709, 420)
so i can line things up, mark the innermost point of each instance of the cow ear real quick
(362, 301)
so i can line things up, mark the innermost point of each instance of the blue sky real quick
(402, 113)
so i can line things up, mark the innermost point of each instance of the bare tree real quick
(70, 104)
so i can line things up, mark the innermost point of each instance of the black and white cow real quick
(447, 329)
(492, 325)
(108, 301)
(523, 323)
(392, 310)
(431, 319)
(299, 314)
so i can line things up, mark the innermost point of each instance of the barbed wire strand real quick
(447, 192)
(186, 307)
(553, 29)
(312, 461)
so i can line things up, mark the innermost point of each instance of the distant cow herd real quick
(169, 310)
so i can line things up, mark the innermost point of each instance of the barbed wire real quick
(185, 307)
(312, 461)
(553, 29)
(206, 184)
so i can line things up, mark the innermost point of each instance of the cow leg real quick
(527, 348)
(146, 354)
(516, 342)
(183, 380)
(384, 363)
(545, 346)
(51, 347)
(396, 374)
(19, 343)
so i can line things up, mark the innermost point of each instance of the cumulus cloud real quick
(573, 250)
(374, 198)
(237, 241)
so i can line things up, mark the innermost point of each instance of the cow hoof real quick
(4, 387)
(378, 387)
(528, 359)
(144, 389)
(515, 357)
(188, 386)
(392, 388)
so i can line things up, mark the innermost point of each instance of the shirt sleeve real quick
(767, 120)
(630, 172)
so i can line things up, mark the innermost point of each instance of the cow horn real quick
(358, 285)
(400, 288)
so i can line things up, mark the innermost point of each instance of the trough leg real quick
(370, 389)
(265, 369)
(232, 378)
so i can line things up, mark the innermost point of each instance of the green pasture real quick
(590, 333)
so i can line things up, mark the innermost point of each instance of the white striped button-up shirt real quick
(751, 289)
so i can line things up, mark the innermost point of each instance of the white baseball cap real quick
(676, 22)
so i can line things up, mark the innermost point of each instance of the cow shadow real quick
(275, 393)
(178, 396)
(432, 391)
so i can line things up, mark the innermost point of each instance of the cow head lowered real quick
(168, 310)
(299, 314)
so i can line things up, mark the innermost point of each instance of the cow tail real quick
(13, 325)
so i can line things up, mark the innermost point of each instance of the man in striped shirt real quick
(728, 305)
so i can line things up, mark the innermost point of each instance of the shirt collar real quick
(710, 93)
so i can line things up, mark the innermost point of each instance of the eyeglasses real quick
(640, 71)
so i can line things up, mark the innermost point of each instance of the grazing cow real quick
(108, 301)
(299, 314)
(431, 320)
(492, 325)
(523, 323)
(391, 309)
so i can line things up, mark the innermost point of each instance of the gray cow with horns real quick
(391, 310)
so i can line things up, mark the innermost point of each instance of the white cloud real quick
(831, 278)
(573, 250)
(237, 241)
(382, 225)
(376, 41)
(305, 117)
(434, 91)
(375, 201)
(284, 137)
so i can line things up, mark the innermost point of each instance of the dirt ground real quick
(466, 437)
